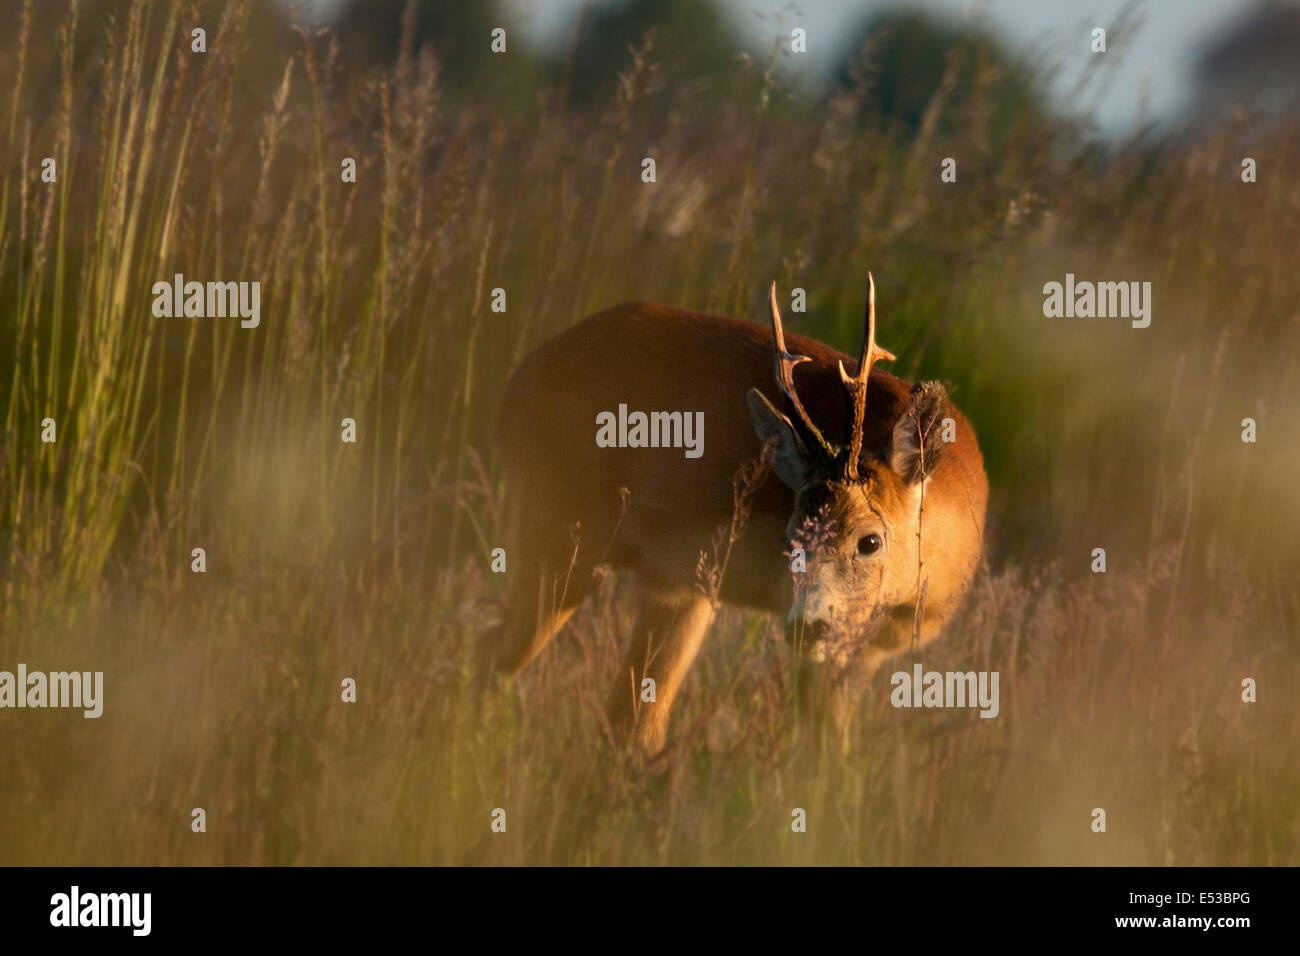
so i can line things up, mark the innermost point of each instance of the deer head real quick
(857, 510)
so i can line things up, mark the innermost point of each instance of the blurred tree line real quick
(895, 64)
(695, 44)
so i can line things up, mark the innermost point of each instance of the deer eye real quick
(869, 544)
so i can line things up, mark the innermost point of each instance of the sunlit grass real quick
(327, 560)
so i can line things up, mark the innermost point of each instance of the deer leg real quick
(531, 620)
(545, 589)
(836, 695)
(668, 635)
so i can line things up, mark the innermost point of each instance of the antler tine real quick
(785, 363)
(857, 384)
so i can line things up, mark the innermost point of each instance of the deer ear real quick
(789, 454)
(918, 434)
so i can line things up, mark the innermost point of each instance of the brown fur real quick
(566, 511)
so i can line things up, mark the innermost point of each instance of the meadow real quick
(370, 560)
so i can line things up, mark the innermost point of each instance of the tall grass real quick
(327, 560)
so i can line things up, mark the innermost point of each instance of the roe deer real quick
(880, 483)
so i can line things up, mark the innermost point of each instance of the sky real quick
(1157, 62)
(1150, 80)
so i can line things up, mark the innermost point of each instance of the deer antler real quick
(857, 384)
(785, 363)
